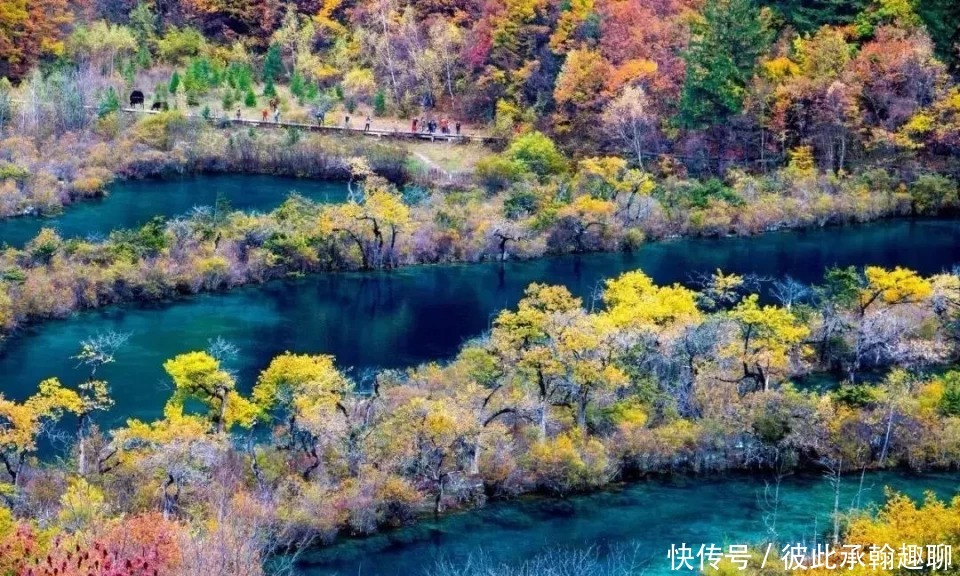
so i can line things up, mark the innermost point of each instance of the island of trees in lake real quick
(382, 287)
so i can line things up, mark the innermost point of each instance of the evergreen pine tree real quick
(720, 60)
(269, 90)
(297, 87)
(380, 103)
(272, 64)
(810, 15)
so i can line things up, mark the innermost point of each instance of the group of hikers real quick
(417, 125)
(346, 122)
(431, 126)
(274, 107)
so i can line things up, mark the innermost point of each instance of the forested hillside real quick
(701, 85)
(553, 126)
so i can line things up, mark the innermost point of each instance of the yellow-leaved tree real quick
(892, 287)
(768, 336)
(899, 528)
(589, 350)
(434, 438)
(873, 331)
(372, 223)
(306, 393)
(6, 309)
(168, 455)
(633, 301)
(527, 341)
(21, 424)
(198, 376)
(584, 214)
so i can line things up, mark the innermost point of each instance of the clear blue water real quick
(131, 203)
(426, 313)
(650, 516)
(419, 314)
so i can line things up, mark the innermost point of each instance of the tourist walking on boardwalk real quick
(264, 113)
(346, 121)
(319, 115)
(413, 125)
(366, 124)
(276, 116)
(238, 113)
(457, 126)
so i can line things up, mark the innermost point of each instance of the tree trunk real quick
(836, 503)
(438, 503)
(254, 463)
(638, 143)
(314, 465)
(13, 471)
(886, 435)
(543, 419)
(82, 436)
(384, 14)
(503, 247)
(475, 459)
(541, 383)
(582, 400)
(222, 415)
(81, 456)
(393, 243)
(167, 503)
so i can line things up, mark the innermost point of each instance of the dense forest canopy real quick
(713, 83)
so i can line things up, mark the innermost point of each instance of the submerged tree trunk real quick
(438, 503)
(834, 475)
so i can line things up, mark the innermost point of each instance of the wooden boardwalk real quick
(462, 138)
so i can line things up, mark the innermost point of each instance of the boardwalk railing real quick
(372, 132)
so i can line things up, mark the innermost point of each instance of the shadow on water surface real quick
(419, 314)
(649, 516)
(131, 203)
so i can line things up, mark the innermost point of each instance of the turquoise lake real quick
(131, 203)
(419, 314)
(645, 517)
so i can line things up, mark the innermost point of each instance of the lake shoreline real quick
(284, 275)
(161, 179)
(164, 176)
(652, 482)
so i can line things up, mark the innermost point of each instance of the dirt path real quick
(431, 164)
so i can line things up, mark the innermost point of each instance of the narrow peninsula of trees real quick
(556, 398)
